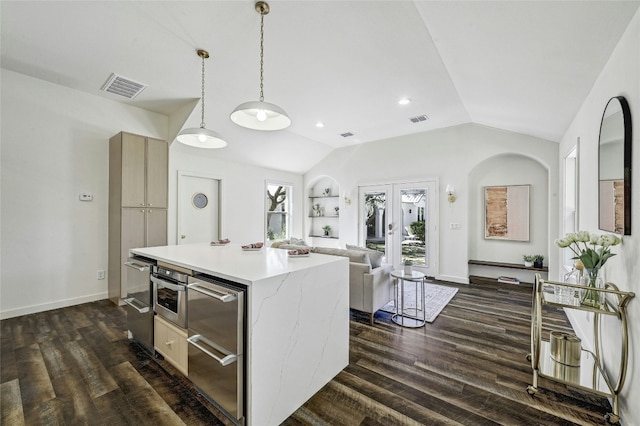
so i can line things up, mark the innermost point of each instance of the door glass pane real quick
(375, 204)
(412, 218)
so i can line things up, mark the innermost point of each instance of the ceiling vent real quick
(419, 118)
(123, 86)
(346, 134)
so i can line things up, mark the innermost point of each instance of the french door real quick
(400, 220)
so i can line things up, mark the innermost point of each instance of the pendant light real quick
(261, 115)
(201, 137)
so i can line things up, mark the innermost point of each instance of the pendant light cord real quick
(261, 56)
(202, 125)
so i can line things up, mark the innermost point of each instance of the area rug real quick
(435, 299)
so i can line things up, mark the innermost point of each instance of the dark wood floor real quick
(75, 366)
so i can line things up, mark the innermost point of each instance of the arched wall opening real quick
(505, 170)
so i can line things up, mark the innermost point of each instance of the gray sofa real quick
(370, 286)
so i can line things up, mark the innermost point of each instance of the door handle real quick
(170, 286)
(223, 297)
(229, 359)
(131, 302)
(137, 266)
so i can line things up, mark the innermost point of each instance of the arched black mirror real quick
(614, 167)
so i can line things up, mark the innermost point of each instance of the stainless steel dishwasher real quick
(216, 342)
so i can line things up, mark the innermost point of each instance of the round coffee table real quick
(409, 317)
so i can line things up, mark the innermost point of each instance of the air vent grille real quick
(123, 86)
(418, 118)
(346, 134)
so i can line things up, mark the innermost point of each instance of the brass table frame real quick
(591, 375)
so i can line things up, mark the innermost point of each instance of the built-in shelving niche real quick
(323, 209)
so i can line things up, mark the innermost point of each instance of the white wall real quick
(450, 155)
(509, 169)
(54, 146)
(243, 193)
(621, 76)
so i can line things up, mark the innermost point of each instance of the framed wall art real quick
(506, 210)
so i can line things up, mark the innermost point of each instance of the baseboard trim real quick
(453, 279)
(26, 310)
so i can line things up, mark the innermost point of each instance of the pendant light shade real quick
(261, 115)
(201, 137)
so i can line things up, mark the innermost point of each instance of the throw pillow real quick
(277, 244)
(298, 242)
(375, 256)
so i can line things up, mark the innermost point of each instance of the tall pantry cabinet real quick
(138, 199)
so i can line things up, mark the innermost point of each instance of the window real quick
(278, 211)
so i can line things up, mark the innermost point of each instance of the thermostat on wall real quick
(86, 197)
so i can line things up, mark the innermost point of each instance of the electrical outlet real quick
(455, 226)
(100, 274)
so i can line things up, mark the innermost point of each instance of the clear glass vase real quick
(590, 296)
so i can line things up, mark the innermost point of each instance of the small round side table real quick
(409, 317)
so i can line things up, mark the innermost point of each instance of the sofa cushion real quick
(375, 256)
(354, 256)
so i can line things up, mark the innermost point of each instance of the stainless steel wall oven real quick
(170, 294)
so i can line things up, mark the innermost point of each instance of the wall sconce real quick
(451, 194)
(347, 200)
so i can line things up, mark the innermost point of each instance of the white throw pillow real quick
(375, 256)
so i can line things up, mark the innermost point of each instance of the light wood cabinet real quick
(138, 198)
(171, 342)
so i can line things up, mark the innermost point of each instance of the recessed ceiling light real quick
(319, 124)
(404, 101)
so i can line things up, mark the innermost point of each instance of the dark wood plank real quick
(11, 412)
(468, 367)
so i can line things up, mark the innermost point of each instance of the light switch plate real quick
(455, 226)
(85, 197)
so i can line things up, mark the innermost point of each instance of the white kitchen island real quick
(297, 316)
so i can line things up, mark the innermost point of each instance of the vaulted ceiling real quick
(522, 66)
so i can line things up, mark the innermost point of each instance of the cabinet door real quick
(156, 232)
(171, 342)
(133, 170)
(132, 233)
(157, 173)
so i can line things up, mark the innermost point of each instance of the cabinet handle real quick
(142, 211)
(149, 204)
(169, 343)
(142, 204)
(148, 211)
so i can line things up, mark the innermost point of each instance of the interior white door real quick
(198, 208)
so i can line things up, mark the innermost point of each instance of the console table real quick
(590, 375)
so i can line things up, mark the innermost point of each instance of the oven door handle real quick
(229, 359)
(131, 302)
(137, 266)
(223, 297)
(170, 286)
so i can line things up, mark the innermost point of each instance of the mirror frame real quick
(626, 173)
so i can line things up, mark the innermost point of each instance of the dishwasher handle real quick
(229, 359)
(131, 302)
(138, 266)
(167, 284)
(223, 297)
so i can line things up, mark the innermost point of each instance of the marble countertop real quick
(233, 263)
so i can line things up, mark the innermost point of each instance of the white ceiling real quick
(523, 66)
